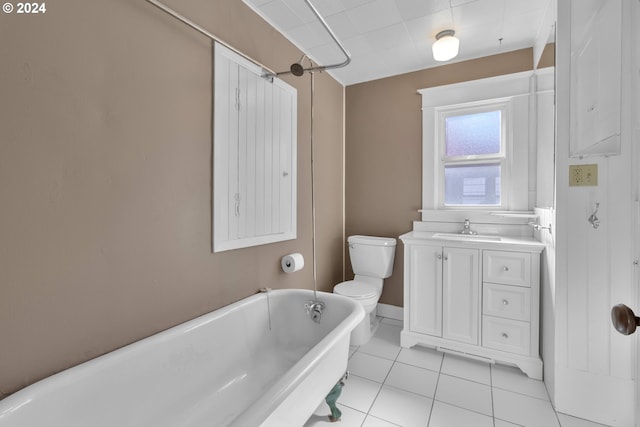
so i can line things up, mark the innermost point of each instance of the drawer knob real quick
(505, 302)
(505, 268)
(505, 335)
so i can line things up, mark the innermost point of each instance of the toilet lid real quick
(356, 290)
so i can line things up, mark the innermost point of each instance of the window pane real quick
(473, 134)
(477, 184)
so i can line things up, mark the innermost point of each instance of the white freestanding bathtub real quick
(258, 362)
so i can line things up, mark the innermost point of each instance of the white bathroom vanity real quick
(474, 295)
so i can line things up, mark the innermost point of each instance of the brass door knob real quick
(624, 319)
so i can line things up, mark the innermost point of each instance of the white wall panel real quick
(548, 297)
(255, 134)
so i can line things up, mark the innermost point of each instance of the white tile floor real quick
(391, 386)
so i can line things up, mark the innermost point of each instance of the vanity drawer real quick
(509, 268)
(508, 335)
(511, 302)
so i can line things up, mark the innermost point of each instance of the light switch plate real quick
(583, 175)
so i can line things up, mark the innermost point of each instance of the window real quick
(476, 140)
(472, 154)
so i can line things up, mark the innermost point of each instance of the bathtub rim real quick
(299, 371)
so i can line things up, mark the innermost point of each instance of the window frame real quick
(520, 160)
(504, 105)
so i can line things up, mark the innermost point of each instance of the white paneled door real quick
(596, 368)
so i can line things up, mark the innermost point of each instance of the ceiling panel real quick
(389, 37)
(374, 15)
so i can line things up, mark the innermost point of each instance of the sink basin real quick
(467, 237)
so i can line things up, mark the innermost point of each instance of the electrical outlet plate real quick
(583, 175)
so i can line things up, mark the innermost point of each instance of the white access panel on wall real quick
(254, 156)
(596, 60)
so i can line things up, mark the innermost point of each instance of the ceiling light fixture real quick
(446, 46)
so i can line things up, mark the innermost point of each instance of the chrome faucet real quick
(314, 310)
(467, 228)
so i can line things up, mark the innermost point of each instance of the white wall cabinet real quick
(596, 75)
(254, 160)
(477, 299)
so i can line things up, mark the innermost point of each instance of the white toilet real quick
(372, 262)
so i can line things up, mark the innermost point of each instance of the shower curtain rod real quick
(266, 71)
(343, 49)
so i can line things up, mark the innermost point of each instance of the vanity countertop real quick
(478, 241)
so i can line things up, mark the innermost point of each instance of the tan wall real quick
(548, 57)
(383, 150)
(105, 178)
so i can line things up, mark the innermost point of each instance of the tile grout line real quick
(493, 406)
(435, 391)
(366, 414)
(381, 384)
(553, 407)
(523, 394)
(518, 393)
(466, 408)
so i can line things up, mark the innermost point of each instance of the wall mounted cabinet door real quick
(596, 73)
(255, 135)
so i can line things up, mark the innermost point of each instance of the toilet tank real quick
(372, 256)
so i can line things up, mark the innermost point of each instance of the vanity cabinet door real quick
(461, 294)
(425, 278)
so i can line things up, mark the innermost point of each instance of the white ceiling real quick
(390, 37)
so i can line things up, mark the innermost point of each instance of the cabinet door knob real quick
(505, 268)
(505, 335)
(446, 258)
(505, 302)
(439, 256)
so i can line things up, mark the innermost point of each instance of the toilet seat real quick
(356, 290)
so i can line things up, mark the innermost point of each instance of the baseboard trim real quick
(390, 311)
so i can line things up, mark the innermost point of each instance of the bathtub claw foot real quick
(331, 400)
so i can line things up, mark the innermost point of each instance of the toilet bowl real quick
(372, 262)
(367, 295)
